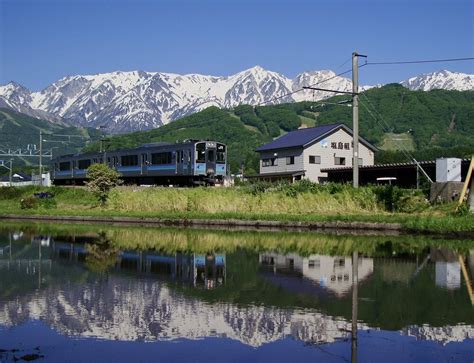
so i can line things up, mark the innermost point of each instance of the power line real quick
(386, 127)
(302, 89)
(421, 61)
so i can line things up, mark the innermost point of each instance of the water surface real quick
(83, 293)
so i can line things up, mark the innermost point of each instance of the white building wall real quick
(325, 149)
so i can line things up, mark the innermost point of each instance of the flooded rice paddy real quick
(82, 293)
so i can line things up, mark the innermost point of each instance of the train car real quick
(192, 162)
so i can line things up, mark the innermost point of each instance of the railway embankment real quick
(288, 207)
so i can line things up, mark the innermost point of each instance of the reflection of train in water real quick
(187, 163)
(208, 270)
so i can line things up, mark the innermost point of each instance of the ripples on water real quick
(95, 294)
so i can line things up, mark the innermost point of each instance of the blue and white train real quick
(192, 162)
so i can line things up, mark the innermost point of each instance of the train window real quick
(210, 155)
(201, 153)
(161, 158)
(220, 154)
(84, 164)
(65, 165)
(129, 160)
(220, 157)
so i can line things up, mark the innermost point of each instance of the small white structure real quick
(45, 179)
(448, 274)
(303, 153)
(448, 170)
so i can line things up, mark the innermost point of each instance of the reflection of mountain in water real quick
(123, 308)
(443, 335)
(138, 306)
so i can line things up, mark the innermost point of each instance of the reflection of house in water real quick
(200, 269)
(334, 273)
(448, 268)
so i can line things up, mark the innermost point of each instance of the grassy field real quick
(258, 202)
(398, 142)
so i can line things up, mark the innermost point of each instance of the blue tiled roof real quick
(299, 138)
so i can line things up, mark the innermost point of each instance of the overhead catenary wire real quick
(385, 125)
(302, 89)
(403, 149)
(421, 61)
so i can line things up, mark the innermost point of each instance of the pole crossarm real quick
(330, 90)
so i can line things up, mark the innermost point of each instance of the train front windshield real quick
(201, 152)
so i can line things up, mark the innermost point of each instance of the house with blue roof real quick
(304, 152)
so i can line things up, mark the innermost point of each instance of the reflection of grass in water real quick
(172, 240)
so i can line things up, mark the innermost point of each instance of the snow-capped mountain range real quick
(131, 101)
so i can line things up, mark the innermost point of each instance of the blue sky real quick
(44, 40)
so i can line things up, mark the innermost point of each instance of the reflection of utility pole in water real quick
(355, 281)
(39, 265)
(10, 245)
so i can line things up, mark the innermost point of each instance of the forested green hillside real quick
(18, 130)
(426, 124)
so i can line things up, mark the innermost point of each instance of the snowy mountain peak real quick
(442, 79)
(127, 101)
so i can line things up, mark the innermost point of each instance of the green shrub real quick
(101, 180)
(412, 203)
(396, 199)
(463, 210)
(29, 202)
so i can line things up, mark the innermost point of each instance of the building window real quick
(161, 158)
(339, 161)
(270, 162)
(290, 160)
(315, 159)
(129, 160)
(314, 263)
(339, 262)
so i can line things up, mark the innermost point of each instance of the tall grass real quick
(240, 200)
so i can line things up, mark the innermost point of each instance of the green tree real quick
(101, 180)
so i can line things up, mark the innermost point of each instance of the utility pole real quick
(355, 119)
(41, 159)
(10, 176)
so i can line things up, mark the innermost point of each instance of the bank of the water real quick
(450, 226)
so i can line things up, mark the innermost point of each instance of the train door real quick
(115, 162)
(187, 162)
(211, 160)
(179, 162)
(144, 163)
